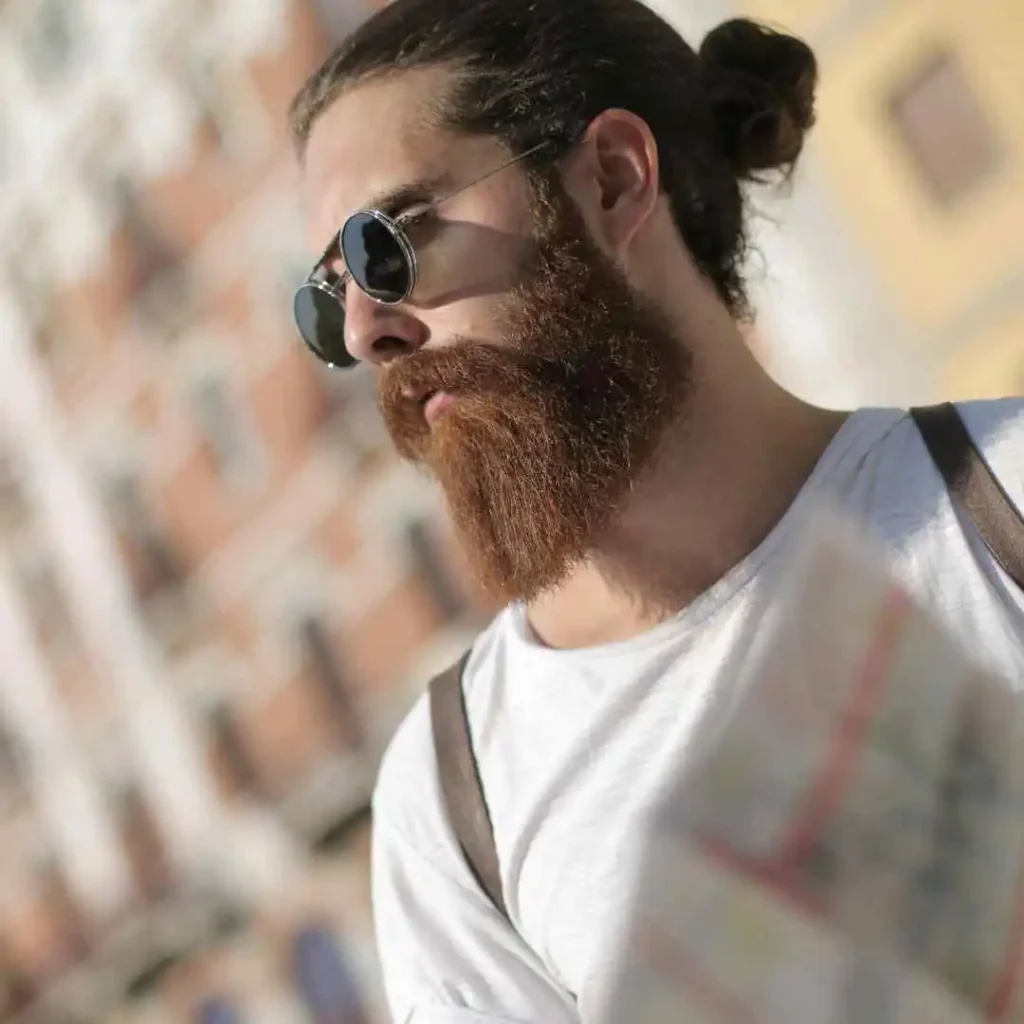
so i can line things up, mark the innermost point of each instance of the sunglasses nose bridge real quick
(342, 324)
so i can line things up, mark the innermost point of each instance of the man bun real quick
(760, 87)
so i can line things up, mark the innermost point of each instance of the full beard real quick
(551, 430)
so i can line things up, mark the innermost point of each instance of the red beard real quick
(551, 429)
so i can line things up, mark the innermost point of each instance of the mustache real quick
(462, 366)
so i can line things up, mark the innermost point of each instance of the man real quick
(534, 232)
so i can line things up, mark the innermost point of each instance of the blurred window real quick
(152, 565)
(46, 602)
(153, 257)
(358, 425)
(432, 570)
(13, 759)
(155, 271)
(17, 987)
(223, 105)
(64, 907)
(50, 37)
(33, 292)
(339, 19)
(232, 752)
(206, 90)
(324, 979)
(944, 127)
(324, 666)
(228, 442)
(143, 844)
(15, 509)
(217, 1010)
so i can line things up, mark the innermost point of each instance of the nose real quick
(377, 333)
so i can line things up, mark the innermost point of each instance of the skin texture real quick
(607, 444)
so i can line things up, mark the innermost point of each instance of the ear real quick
(614, 178)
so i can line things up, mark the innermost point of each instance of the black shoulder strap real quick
(973, 486)
(460, 782)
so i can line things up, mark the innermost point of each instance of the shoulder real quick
(893, 485)
(997, 427)
(407, 799)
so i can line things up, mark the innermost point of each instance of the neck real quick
(725, 475)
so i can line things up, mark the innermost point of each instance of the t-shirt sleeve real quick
(447, 955)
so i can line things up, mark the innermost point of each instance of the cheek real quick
(465, 259)
(465, 282)
(478, 318)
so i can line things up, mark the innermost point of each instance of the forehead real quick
(376, 137)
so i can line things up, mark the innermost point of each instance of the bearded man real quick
(532, 223)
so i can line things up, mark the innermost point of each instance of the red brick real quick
(381, 642)
(338, 535)
(277, 76)
(234, 628)
(287, 404)
(145, 407)
(228, 308)
(198, 518)
(288, 733)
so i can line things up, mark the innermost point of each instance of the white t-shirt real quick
(574, 746)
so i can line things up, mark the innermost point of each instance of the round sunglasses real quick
(378, 257)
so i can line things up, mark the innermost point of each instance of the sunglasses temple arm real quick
(483, 177)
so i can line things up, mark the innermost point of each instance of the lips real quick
(430, 401)
(435, 404)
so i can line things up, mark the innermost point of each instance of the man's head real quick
(546, 292)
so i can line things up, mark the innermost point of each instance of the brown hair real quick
(527, 72)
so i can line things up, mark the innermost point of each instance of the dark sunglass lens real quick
(375, 258)
(320, 318)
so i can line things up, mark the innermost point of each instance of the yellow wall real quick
(938, 262)
(992, 365)
(804, 17)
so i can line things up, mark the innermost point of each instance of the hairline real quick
(434, 113)
(324, 97)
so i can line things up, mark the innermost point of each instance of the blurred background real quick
(219, 592)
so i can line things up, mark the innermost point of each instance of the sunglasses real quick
(378, 258)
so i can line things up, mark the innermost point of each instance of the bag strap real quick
(973, 486)
(461, 787)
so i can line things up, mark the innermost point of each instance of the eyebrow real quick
(394, 201)
(427, 190)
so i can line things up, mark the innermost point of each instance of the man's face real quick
(524, 371)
